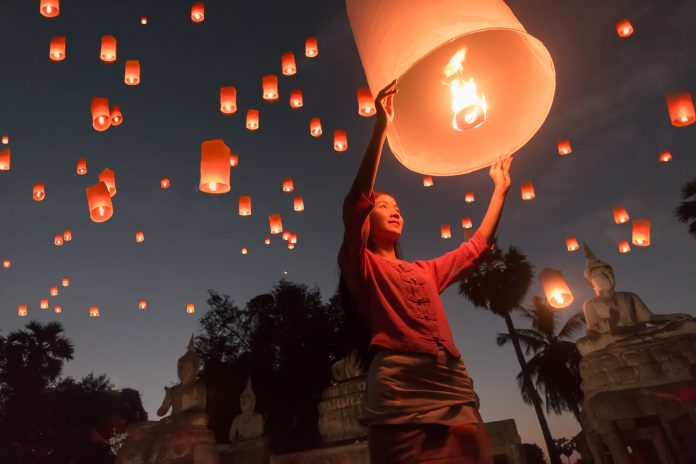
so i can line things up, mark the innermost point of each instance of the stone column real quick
(617, 448)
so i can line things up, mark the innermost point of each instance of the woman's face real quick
(386, 221)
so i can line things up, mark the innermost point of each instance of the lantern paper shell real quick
(101, 116)
(641, 232)
(81, 168)
(99, 202)
(58, 309)
(311, 47)
(165, 183)
(527, 191)
(58, 240)
(466, 223)
(108, 49)
(469, 197)
(234, 160)
(39, 192)
(414, 44)
(116, 116)
(67, 235)
(142, 305)
(43, 304)
(624, 28)
(270, 87)
(298, 204)
(94, 311)
(245, 206)
(22, 310)
(555, 288)
(6, 264)
(244, 250)
(296, 100)
(108, 176)
(681, 109)
(624, 247)
(190, 308)
(5, 159)
(288, 185)
(572, 244)
(276, 224)
(315, 127)
(132, 75)
(366, 104)
(65, 282)
(54, 291)
(427, 181)
(665, 157)
(139, 237)
(620, 215)
(340, 140)
(228, 100)
(445, 231)
(56, 49)
(564, 147)
(50, 8)
(215, 167)
(252, 120)
(198, 12)
(288, 64)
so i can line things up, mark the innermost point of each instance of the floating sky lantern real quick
(50, 8)
(276, 223)
(234, 160)
(366, 104)
(190, 308)
(527, 191)
(641, 232)
(620, 215)
(288, 64)
(6, 264)
(94, 311)
(445, 231)
(315, 127)
(5, 139)
(143, 20)
(5, 159)
(270, 87)
(215, 167)
(142, 305)
(555, 288)
(681, 109)
(22, 310)
(293, 238)
(291, 246)
(245, 205)
(108, 176)
(132, 75)
(81, 168)
(165, 183)
(67, 235)
(267, 241)
(476, 46)
(296, 100)
(572, 244)
(311, 47)
(624, 247)
(101, 116)
(469, 197)
(564, 147)
(467, 223)
(665, 157)
(298, 204)
(286, 235)
(116, 115)
(108, 49)
(65, 282)
(198, 12)
(58, 309)
(58, 240)
(340, 140)
(624, 28)
(53, 291)
(43, 304)
(252, 120)
(244, 250)
(99, 202)
(427, 181)
(56, 48)
(139, 237)
(39, 192)
(288, 185)
(228, 100)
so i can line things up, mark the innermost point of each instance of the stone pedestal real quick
(339, 411)
(254, 451)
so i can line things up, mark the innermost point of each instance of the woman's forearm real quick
(367, 172)
(492, 217)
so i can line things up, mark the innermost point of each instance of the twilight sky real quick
(609, 102)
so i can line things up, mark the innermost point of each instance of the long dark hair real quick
(356, 329)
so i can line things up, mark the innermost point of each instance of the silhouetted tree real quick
(533, 453)
(686, 211)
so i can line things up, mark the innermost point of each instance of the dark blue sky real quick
(609, 102)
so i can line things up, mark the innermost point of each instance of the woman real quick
(420, 405)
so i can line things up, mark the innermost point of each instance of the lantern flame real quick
(469, 108)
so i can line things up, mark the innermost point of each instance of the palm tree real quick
(686, 211)
(555, 366)
(499, 284)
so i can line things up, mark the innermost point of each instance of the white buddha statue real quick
(249, 424)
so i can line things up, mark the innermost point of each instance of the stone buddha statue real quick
(249, 424)
(612, 316)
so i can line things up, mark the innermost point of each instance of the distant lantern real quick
(108, 49)
(276, 223)
(298, 204)
(215, 167)
(81, 167)
(198, 12)
(624, 28)
(315, 127)
(296, 100)
(527, 191)
(58, 309)
(56, 48)
(190, 308)
(165, 183)
(311, 47)
(624, 247)
(252, 120)
(286, 235)
(142, 305)
(39, 192)
(94, 311)
(291, 246)
(116, 115)
(269, 83)
(99, 202)
(5, 139)
(228, 100)
(665, 157)
(244, 250)
(43, 304)
(54, 291)
(101, 116)
(564, 147)
(469, 197)
(445, 231)
(108, 176)
(6, 264)
(245, 205)
(288, 185)
(572, 244)
(681, 109)
(65, 282)
(267, 241)
(139, 237)
(5, 159)
(288, 64)
(340, 140)
(50, 8)
(67, 235)
(143, 20)
(466, 223)
(22, 310)
(641, 232)
(620, 215)
(58, 240)
(555, 288)
(427, 181)
(234, 160)
(132, 75)
(366, 104)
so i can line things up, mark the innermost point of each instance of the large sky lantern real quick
(665, 157)
(298, 204)
(198, 12)
(252, 119)
(22, 310)
(99, 202)
(296, 100)
(315, 129)
(564, 147)
(101, 115)
(39, 192)
(81, 167)
(620, 215)
(108, 49)
(245, 205)
(132, 73)
(228, 100)
(427, 181)
(5, 159)
(340, 140)
(366, 104)
(311, 47)
(624, 28)
(269, 83)
(108, 176)
(288, 65)
(681, 109)
(641, 232)
(624, 247)
(116, 115)
(445, 231)
(288, 185)
(556, 288)
(94, 311)
(527, 191)
(276, 224)
(215, 167)
(56, 48)
(467, 223)
(58, 240)
(457, 107)
(50, 8)
(572, 244)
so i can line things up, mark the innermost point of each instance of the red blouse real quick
(401, 301)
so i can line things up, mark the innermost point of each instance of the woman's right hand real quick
(384, 104)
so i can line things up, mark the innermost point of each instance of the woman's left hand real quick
(500, 173)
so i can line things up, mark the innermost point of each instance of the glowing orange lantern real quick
(43, 304)
(215, 167)
(5, 159)
(58, 309)
(139, 237)
(427, 181)
(267, 241)
(288, 185)
(6, 264)
(624, 28)
(58, 240)
(245, 205)
(244, 250)
(99, 202)
(620, 215)
(681, 109)
(108, 49)
(252, 120)
(101, 116)
(293, 238)
(288, 64)
(234, 160)
(466, 223)
(56, 48)
(94, 311)
(50, 8)
(555, 288)
(67, 235)
(116, 116)
(39, 192)
(296, 100)
(65, 282)
(641, 232)
(165, 183)
(5, 139)
(291, 246)
(275, 223)
(198, 12)
(228, 100)
(54, 291)
(340, 140)
(132, 76)
(527, 191)
(315, 127)
(190, 308)
(564, 147)
(469, 197)
(366, 104)
(298, 204)
(311, 47)
(142, 305)
(665, 157)
(624, 247)
(109, 178)
(22, 310)
(446, 231)
(572, 244)
(143, 20)
(270, 87)
(286, 235)
(81, 167)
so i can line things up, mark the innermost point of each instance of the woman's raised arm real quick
(500, 173)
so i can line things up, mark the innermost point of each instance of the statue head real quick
(598, 274)
(187, 366)
(247, 400)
